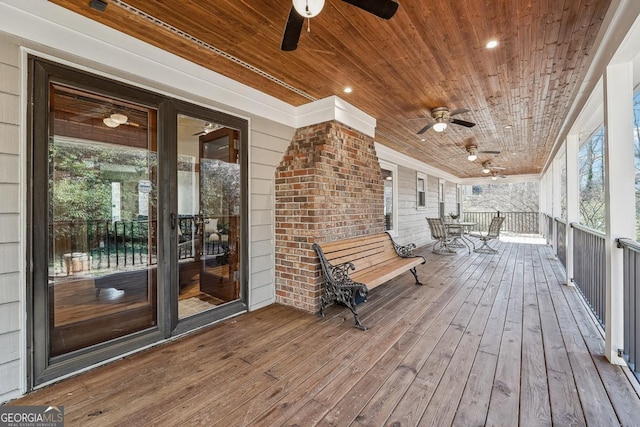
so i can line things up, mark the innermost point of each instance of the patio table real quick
(458, 230)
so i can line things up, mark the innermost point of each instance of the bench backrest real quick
(363, 251)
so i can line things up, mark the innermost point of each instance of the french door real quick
(136, 216)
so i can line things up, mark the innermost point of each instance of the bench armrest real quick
(406, 251)
(336, 275)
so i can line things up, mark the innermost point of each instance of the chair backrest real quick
(438, 230)
(494, 227)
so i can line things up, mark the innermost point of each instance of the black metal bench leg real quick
(324, 302)
(356, 317)
(415, 274)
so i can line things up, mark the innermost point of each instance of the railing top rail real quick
(562, 220)
(628, 243)
(586, 229)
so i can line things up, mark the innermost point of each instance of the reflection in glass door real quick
(101, 219)
(208, 216)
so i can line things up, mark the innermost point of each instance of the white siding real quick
(268, 143)
(412, 225)
(11, 316)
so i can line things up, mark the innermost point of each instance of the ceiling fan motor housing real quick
(440, 114)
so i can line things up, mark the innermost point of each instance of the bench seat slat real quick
(376, 261)
(373, 277)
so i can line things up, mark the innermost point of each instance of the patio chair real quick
(441, 237)
(492, 234)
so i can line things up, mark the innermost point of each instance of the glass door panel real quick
(209, 216)
(102, 219)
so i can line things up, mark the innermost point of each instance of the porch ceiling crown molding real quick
(387, 154)
(335, 108)
(54, 27)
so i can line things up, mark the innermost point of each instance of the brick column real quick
(328, 187)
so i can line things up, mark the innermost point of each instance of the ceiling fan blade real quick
(498, 168)
(292, 31)
(459, 111)
(463, 123)
(489, 152)
(424, 129)
(384, 9)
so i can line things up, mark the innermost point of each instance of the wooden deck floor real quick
(488, 340)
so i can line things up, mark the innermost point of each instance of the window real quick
(389, 176)
(636, 143)
(421, 191)
(591, 167)
(441, 195)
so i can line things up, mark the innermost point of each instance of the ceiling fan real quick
(473, 152)
(487, 167)
(305, 9)
(442, 117)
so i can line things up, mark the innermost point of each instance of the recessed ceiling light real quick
(422, 139)
(491, 44)
(507, 127)
(348, 90)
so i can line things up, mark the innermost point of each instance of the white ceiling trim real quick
(334, 108)
(387, 154)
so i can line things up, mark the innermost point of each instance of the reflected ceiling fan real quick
(487, 167)
(116, 119)
(208, 128)
(473, 152)
(442, 117)
(495, 175)
(305, 9)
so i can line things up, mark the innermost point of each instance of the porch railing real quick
(82, 246)
(631, 303)
(515, 222)
(546, 222)
(589, 264)
(561, 233)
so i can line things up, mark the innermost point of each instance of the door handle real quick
(174, 221)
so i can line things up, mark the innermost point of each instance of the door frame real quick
(41, 368)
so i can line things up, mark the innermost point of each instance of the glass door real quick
(102, 210)
(136, 214)
(209, 202)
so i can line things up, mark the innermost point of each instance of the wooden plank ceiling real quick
(430, 54)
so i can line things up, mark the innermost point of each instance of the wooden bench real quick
(354, 266)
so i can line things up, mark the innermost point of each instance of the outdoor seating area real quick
(449, 236)
(481, 343)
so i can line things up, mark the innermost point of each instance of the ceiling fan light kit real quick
(308, 8)
(439, 127)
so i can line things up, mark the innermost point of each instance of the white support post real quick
(619, 195)
(572, 146)
(556, 194)
(543, 202)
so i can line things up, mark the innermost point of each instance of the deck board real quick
(490, 339)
